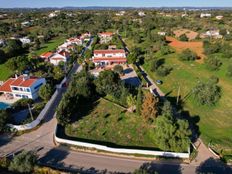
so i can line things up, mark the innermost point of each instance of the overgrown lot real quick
(107, 122)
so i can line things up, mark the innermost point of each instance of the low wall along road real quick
(121, 150)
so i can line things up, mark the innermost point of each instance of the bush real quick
(3, 119)
(155, 64)
(229, 71)
(207, 93)
(163, 71)
(213, 63)
(22, 103)
(24, 162)
(183, 38)
(188, 55)
(118, 69)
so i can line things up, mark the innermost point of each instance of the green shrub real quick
(22, 103)
(183, 38)
(23, 162)
(213, 63)
(229, 71)
(188, 55)
(163, 71)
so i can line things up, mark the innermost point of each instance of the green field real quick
(51, 45)
(5, 72)
(215, 122)
(106, 122)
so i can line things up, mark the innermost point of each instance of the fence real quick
(122, 150)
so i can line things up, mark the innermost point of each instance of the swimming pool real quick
(4, 105)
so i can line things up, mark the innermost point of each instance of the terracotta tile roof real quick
(46, 55)
(63, 53)
(6, 86)
(109, 51)
(106, 33)
(21, 81)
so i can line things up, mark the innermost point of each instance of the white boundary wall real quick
(122, 150)
(42, 114)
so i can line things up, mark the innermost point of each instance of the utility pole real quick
(29, 108)
(178, 95)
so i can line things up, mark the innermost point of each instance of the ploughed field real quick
(196, 46)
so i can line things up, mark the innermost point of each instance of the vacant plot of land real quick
(5, 72)
(215, 122)
(194, 46)
(106, 122)
(190, 34)
(51, 45)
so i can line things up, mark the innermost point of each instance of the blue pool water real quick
(4, 105)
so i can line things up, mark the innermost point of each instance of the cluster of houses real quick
(25, 86)
(63, 52)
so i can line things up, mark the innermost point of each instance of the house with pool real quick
(23, 86)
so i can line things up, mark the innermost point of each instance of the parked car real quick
(159, 82)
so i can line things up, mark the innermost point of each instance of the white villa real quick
(61, 56)
(107, 57)
(23, 86)
(205, 15)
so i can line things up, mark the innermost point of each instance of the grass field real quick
(107, 122)
(51, 45)
(215, 122)
(5, 72)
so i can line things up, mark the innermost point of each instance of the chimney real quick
(16, 76)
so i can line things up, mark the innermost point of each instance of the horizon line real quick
(120, 7)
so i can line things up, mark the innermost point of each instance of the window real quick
(18, 95)
(24, 96)
(36, 87)
(15, 88)
(28, 90)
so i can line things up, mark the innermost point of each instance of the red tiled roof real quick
(108, 51)
(20, 81)
(106, 33)
(63, 53)
(6, 86)
(46, 55)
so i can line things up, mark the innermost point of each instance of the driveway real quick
(130, 77)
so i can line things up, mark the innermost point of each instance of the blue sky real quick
(123, 3)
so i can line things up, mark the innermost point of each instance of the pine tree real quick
(150, 107)
(139, 101)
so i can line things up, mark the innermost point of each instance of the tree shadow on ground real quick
(193, 120)
(128, 70)
(85, 109)
(5, 139)
(161, 168)
(54, 157)
(213, 166)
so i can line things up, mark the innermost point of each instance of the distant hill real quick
(116, 8)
